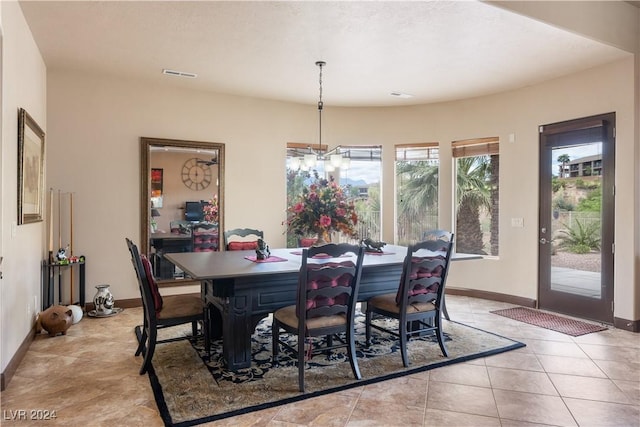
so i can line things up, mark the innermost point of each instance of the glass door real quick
(576, 217)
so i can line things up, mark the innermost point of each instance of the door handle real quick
(544, 241)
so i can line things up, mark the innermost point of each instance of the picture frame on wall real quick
(157, 180)
(30, 169)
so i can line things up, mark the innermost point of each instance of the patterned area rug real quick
(550, 321)
(191, 388)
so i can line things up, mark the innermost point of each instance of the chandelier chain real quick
(320, 64)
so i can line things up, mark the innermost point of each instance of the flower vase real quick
(323, 238)
(103, 300)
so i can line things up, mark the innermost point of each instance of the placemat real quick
(320, 256)
(272, 258)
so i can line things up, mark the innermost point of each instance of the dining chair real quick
(417, 305)
(236, 239)
(204, 237)
(162, 312)
(325, 305)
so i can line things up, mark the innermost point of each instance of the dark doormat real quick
(550, 321)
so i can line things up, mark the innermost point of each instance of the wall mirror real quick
(182, 187)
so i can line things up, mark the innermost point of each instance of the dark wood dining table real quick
(244, 291)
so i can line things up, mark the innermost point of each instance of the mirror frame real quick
(145, 188)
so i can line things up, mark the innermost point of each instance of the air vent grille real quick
(179, 73)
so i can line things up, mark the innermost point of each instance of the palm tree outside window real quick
(477, 165)
(417, 168)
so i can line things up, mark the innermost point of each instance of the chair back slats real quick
(204, 237)
(419, 301)
(328, 286)
(328, 283)
(425, 269)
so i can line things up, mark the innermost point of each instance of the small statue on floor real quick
(262, 251)
(371, 245)
(55, 320)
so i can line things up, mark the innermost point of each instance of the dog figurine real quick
(55, 320)
(262, 251)
(372, 246)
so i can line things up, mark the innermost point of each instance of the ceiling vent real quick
(179, 73)
(401, 95)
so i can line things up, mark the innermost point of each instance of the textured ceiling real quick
(433, 50)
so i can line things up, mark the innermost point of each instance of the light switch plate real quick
(517, 222)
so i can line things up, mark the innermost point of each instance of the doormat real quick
(550, 321)
(192, 388)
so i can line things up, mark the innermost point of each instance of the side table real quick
(53, 270)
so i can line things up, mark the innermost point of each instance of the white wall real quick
(23, 85)
(97, 122)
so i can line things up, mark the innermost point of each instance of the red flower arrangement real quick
(210, 210)
(322, 208)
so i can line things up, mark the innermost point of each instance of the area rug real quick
(550, 321)
(192, 388)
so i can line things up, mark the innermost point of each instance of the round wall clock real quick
(196, 174)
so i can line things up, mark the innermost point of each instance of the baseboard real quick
(493, 296)
(13, 364)
(121, 303)
(627, 325)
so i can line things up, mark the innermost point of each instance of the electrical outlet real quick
(35, 304)
(28, 311)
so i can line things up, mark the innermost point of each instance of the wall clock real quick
(196, 174)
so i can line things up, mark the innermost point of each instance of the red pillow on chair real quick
(242, 246)
(157, 298)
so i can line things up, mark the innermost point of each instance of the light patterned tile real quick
(461, 398)
(61, 373)
(602, 389)
(462, 374)
(520, 380)
(436, 417)
(534, 408)
(571, 366)
(603, 414)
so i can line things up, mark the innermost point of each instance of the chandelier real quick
(331, 159)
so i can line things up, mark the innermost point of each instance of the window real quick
(477, 166)
(416, 210)
(361, 173)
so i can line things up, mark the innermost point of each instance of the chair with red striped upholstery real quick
(328, 284)
(419, 301)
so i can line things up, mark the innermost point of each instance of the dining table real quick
(245, 290)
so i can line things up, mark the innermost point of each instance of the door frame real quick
(556, 135)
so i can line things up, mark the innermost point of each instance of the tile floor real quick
(90, 378)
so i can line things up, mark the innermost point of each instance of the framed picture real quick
(156, 182)
(30, 169)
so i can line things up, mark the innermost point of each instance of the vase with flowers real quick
(322, 208)
(210, 210)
